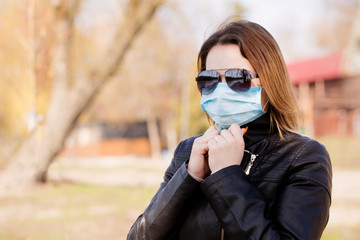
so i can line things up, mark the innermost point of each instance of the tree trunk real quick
(69, 99)
(153, 131)
(351, 58)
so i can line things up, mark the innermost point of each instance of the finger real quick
(200, 146)
(236, 131)
(226, 134)
(211, 144)
(205, 147)
(211, 130)
(206, 138)
(209, 134)
(219, 139)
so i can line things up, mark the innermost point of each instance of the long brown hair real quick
(258, 46)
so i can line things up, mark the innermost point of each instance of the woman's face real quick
(223, 57)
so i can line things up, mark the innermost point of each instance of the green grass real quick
(77, 220)
(344, 151)
(97, 169)
(337, 233)
(73, 212)
(70, 211)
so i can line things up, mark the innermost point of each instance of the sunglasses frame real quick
(247, 76)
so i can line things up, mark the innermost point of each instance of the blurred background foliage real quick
(157, 70)
(157, 75)
(154, 83)
(75, 63)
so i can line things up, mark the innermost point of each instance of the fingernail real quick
(245, 130)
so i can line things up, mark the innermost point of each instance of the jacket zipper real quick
(252, 160)
(247, 171)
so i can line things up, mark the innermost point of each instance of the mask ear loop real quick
(265, 106)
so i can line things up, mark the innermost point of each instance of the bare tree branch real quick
(29, 165)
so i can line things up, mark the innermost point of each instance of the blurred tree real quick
(336, 24)
(14, 82)
(150, 86)
(157, 82)
(76, 77)
(352, 48)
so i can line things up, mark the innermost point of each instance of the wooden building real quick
(328, 96)
(93, 140)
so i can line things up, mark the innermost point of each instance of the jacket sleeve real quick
(301, 210)
(171, 202)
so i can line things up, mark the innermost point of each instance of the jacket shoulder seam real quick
(314, 180)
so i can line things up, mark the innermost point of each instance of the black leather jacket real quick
(286, 195)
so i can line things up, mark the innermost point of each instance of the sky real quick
(289, 21)
(291, 16)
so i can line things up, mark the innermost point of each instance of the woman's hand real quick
(198, 164)
(227, 148)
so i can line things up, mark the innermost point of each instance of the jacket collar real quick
(258, 130)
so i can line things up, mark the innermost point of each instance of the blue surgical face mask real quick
(226, 107)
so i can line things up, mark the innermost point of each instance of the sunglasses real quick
(238, 79)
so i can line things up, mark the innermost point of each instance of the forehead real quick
(225, 57)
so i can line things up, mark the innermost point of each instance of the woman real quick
(264, 183)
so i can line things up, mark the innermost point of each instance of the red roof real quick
(312, 70)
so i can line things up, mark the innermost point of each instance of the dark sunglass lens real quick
(239, 85)
(207, 81)
(238, 80)
(235, 73)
